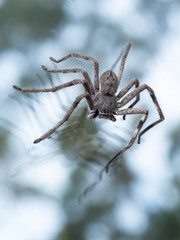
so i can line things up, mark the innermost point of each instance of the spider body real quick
(103, 100)
(104, 103)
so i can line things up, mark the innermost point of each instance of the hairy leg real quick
(133, 94)
(136, 132)
(126, 89)
(59, 87)
(74, 70)
(74, 105)
(121, 68)
(95, 63)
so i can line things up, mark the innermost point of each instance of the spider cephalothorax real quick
(103, 100)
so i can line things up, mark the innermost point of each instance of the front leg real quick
(136, 132)
(95, 63)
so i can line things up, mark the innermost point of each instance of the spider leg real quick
(95, 63)
(139, 126)
(134, 93)
(73, 70)
(74, 105)
(126, 89)
(59, 87)
(121, 68)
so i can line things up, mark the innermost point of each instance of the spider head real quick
(109, 83)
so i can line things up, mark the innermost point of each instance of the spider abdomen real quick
(105, 103)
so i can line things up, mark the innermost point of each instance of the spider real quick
(102, 98)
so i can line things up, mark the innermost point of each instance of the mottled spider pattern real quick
(102, 98)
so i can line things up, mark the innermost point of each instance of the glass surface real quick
(55, 189)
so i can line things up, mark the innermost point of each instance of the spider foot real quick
(109, 163)
(44, 67)
(53, 59)
(37, 140)
(107, 167)
(17, 88)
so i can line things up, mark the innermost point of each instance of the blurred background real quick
(52, 190)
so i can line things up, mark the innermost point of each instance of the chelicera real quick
(102, 98)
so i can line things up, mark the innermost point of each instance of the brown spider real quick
(102, 100)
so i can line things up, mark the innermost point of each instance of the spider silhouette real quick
(101, 98)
